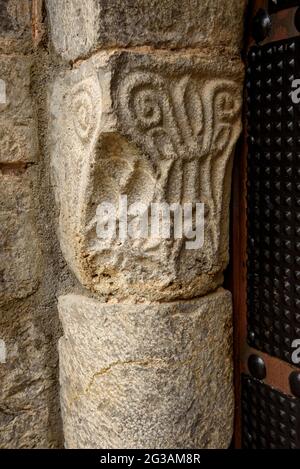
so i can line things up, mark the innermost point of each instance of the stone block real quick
(147, 375)
(18, 143)
(25, 380)
(158, 128)
(20, 255)
(18, 134)
(77, 27)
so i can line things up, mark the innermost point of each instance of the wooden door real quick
(265, 269)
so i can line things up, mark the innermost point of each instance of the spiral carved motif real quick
(147, 109)
(85, 109)
(185, 116)
(145, 97)
(226, 111)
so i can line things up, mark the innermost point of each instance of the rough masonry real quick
(147, 375)
(29, 408)
(150, 108)
(159, 128)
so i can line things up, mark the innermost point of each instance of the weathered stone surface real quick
(15, 72)
(29, 327)
(29, 272)
(15, 26)
(18, 135)
(20, 255)
(157, 128)
(18, 143)
(25, 381)
(147, 376)
(79, 27)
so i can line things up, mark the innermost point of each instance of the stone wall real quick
(141, 98)
(29, 255)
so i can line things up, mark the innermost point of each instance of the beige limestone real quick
(157, 128)
(146, 376)
(78, 27)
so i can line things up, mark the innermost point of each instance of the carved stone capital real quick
(159, 128)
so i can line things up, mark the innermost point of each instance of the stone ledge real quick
(78, 28)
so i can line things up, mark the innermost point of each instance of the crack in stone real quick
(146, 362)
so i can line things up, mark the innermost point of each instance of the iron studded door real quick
(266, 233)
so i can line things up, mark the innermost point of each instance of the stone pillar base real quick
(147, 375)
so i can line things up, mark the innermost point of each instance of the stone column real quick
(150, 109)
